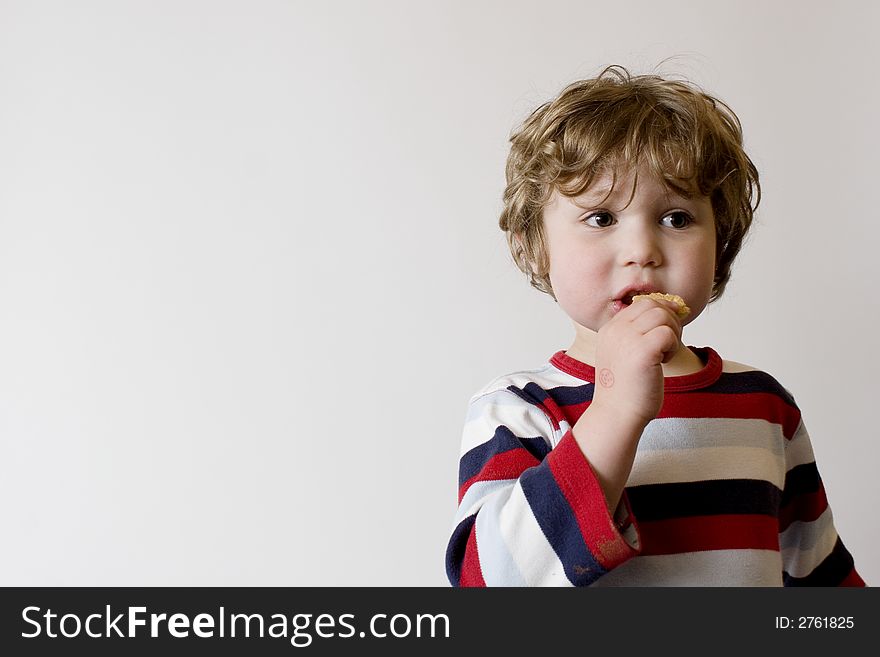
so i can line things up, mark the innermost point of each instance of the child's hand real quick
(630, 350)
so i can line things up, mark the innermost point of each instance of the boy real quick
(630, 458)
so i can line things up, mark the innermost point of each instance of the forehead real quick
(620, 187)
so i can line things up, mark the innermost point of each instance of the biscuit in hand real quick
(682, 311)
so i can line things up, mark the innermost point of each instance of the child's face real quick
(601, 253)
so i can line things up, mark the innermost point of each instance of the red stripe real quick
(584, 495)
(751, 405)
(806, 508)
(700, 533)
(572, 412)
(551, 410)
(471, 574)
(506, 465)
(853, 579)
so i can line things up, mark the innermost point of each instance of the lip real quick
(632, 290)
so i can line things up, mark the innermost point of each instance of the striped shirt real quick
(724, 489)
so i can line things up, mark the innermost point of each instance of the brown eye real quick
(599, 220)
(677, 220)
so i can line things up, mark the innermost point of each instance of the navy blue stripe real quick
(745, 382)
(502, 441)
(800, 480)
(531, 393)
(831, 572)
(704, 498)
(562, 395)
(730, 383)
(557, 521)
(456, 548)
(572, 395)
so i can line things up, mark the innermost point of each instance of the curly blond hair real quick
(689, 140)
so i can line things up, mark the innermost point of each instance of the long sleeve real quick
(812, 552)
(530, 513)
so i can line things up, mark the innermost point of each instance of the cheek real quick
(700, 256)
(570, 268)
(577, 280)
(709, 263)
(700, 277)
(704, 265)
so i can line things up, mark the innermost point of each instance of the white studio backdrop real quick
(250, 269)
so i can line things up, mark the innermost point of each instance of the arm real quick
(630, 352)
(812, 552)
(528, 515)
(538, 517)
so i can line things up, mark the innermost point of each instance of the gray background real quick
(250, 271)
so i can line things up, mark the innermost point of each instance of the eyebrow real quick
(591, 195)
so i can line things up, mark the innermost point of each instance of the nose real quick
(640, 246)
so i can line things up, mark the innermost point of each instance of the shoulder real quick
(544, 378)
(516, 402)
(757, 394)
(523, 397)
(734, 367)
(749, 378)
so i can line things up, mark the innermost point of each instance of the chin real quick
(587, 325)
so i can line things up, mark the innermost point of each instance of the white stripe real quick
(476, 495)
(528, 546)
(682, 433)
(707, 463)
(564, 428)
(806, 544)
(503, 408)
(496, 562)
(707, 568)
(799, 449)
(545, 377)
(484, 403)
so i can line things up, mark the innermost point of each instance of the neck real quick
(583, 349)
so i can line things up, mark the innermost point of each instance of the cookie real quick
(682, 312)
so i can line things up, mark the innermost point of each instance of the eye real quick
(599, 219)
(677, 219)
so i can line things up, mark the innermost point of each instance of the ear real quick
(518, 241)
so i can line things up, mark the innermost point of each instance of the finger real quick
(644, 304)
(655, 317)
(664, 341)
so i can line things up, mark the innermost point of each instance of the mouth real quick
(626, 297)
